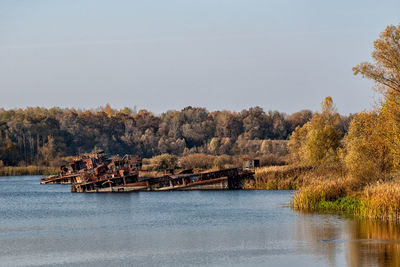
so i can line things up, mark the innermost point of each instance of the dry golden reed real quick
(318, 190)
(381, 200)
(280, 177)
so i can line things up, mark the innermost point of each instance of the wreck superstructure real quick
(119, 175)
(77, 167)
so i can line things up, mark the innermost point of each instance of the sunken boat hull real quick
(110, 184)
(60, 179)
(221, 183)
(217, 180)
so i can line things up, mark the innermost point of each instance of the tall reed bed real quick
(381, 200)
(327, 188)
(28, 170)
(331, 190)
(278, 177)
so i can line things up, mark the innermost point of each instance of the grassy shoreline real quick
(355, 206)
(330, 189)
(28, 170)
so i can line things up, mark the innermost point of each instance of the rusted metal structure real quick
(217, 180)
(77, 167)
(95, 173)
(120, 175)
(250, 164)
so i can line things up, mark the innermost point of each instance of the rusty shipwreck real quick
(120, 175)
(95, 173)
(77, 167)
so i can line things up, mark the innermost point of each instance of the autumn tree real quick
(366, 153)
(223, 161)
(298, 119)
(198, 160)
(213, 146)
(48, 151)
(297, 143)
(108, 110)
(164, 162)
(8, 150)
(390, 121)
(385, 71)
(317, 142)
(126, 111)
(255, 123)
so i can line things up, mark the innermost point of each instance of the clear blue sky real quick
(161, 55)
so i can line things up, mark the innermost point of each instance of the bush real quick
(272, 160)
(225, 162)
(164, 162)
(196, 161)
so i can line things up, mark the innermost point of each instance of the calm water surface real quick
(48, 225)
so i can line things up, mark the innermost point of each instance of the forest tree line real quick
(39, 136)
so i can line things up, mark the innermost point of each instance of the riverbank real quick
(331, 189)
(380, 200)
(28, 170)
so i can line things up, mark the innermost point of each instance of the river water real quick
(48, 225)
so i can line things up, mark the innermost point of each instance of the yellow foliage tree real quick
(317, 142)
(164, 162)
(366, 153)
(390, 120)
(214, 145)
(385, 71)
(108, 110)
(297, 141)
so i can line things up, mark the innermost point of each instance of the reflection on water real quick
(321, 232)
(363, 242)
(373, 243)
(47, 225)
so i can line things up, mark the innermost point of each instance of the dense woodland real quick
(40, 136)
